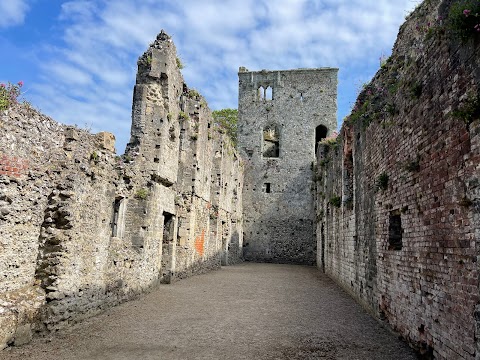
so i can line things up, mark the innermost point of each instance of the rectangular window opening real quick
(168, 227)
(395, 231)
(267, 188)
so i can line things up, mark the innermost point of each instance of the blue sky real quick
(78, 58)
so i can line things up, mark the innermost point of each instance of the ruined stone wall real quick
(398, 194)
(176, 145)
(282, 115)
(82, 229)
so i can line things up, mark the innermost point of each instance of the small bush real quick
(94, 157)
(192, 93)
(416, 90)
(413, 165)
(335, 201)
(183, 116)
(179, 63)
(141, 194)
(382, 181)
(226, 121)
(464, 18)
(469, 111)
(9, 94)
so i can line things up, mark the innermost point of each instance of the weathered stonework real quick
(399, 195)
(82, 229)
(282, 114)
(395, 199)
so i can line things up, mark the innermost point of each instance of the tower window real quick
(267, 188)
(261, 93)
(271, 142)
(265, 93)
(395, 231)
(320, 133)
(269, 93)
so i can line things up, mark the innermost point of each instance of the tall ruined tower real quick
(282, 116)
(183, 159)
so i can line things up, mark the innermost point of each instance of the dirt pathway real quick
(248, 311)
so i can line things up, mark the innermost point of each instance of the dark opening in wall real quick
(395, 231)
(117, 220)
(271, 141)
(267, 188)
(168, 222)
(320, 133)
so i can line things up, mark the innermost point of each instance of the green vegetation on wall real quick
(227, 119)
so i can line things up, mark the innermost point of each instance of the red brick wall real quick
(428, 290)
(12, 166)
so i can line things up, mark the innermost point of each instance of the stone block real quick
(23, 335)
(8, 323)
(106, 141)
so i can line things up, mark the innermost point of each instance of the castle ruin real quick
(389, 210)
(282, 116)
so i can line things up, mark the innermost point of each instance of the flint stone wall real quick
(82, 229)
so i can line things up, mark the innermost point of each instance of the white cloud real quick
(12, 12)
(94, 70)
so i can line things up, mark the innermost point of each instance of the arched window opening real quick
(320, 133)
(261, 93)
(271, 142)
(269, 93)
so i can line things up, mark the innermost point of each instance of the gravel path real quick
(247, 311)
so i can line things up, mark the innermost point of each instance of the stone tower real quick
(282, 116)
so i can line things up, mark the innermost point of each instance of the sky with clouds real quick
(77, 58)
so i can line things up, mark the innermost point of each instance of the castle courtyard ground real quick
(246, 311)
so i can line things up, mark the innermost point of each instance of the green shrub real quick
(192, 93)
(141, 194)
(335, 201)
(94, 157)
(227, 119)
(416, 90)
(413, 165)
(382, 181)
(464, 18)
(183, 116)
(179, 63)
(470, 109)
(9, 94)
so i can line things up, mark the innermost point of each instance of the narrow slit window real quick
(118, 216)
(267, 188)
